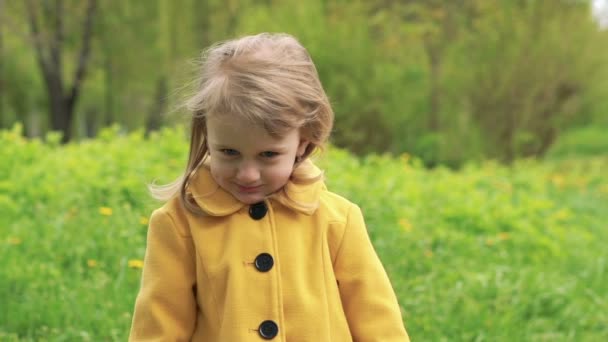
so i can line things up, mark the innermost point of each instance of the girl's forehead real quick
(232, 122)
(274, 128)
(221, 130)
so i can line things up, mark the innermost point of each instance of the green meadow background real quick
(472, 133)
(485, 253)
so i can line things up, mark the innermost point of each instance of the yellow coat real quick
(299, 267)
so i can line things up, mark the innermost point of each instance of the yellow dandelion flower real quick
(136, 263)
(92, 263)
(428, 253)
(490, 241)
(405, 225)
(143, 220)
(105, 211)
(14, 241)
(503, 236)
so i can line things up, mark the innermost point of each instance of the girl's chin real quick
(249, 198)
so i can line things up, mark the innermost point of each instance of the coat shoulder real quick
(335, 207)
(177, 213)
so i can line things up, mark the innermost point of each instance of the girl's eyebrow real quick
(275, 149)
(220, 146)
(278, 149)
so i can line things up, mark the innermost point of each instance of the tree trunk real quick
(49, 56)
(564, 92)
(105, 37)
(155, 118)
(434, 55)
(109, 96)
(90, 123)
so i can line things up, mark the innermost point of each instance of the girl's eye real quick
(269, 154)
(229, 152)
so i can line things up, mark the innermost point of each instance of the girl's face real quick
(249, 163)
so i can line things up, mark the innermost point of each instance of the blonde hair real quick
(268, 79)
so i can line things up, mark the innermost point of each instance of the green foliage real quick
(532, 82)
(588, 141)
(485, 253)
(448, 81)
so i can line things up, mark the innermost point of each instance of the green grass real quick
(588, 141)
(487, 253)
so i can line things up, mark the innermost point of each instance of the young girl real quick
(251, 245)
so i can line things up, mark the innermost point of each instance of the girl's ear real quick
(302, 147)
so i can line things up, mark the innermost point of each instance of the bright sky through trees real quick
(600, 11)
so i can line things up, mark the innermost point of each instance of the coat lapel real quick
(301, 193)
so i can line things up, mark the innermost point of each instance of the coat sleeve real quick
(165, 308)
(368, 299)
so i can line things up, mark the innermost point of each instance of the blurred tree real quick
(444, 80)
(144, 67)
(435, 28)
(506, 69)
(534, 59)
(201, 23)
(50, 59)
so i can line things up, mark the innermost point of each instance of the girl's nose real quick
(247, 174)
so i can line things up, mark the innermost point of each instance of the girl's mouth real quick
(248, 189)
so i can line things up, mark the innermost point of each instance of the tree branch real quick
(84, 52)
(35, 33)
(58, 38)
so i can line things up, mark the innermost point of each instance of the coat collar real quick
(301, 193)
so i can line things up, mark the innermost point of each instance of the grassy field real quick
(486, 253)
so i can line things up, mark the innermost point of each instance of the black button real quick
(264, 262)
(258, 211)
(268, 330)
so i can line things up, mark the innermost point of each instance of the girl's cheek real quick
(224, 170)
(218, 170)
(285, 172)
